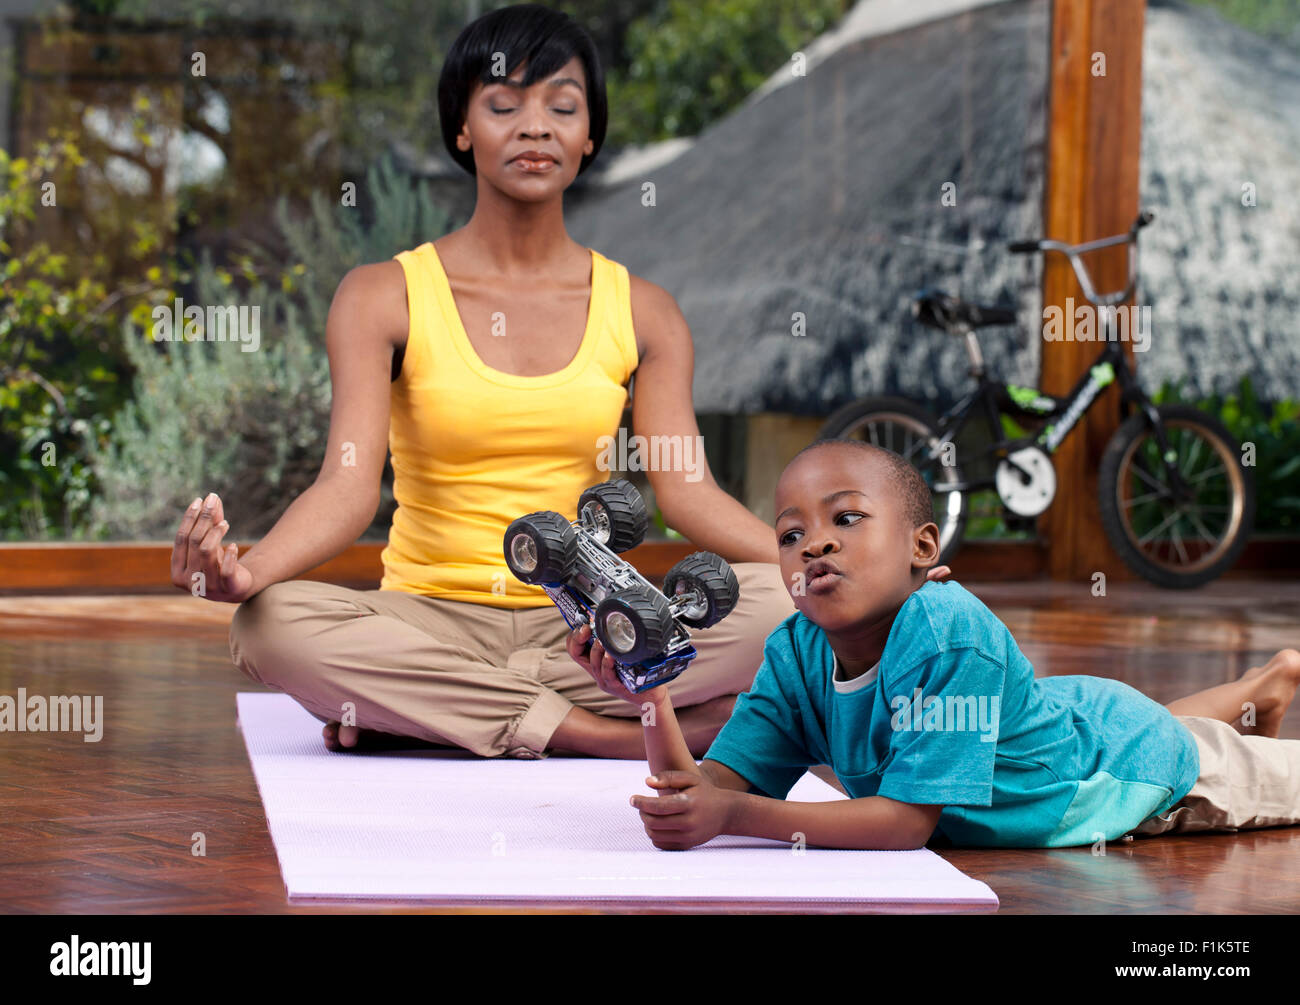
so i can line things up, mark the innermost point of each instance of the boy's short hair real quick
(914, 495)
(545, 39)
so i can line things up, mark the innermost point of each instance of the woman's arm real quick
(367, 319)
(691, 501)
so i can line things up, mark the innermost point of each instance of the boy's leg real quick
(1264, 693)
(1244, 782)
(442, 671)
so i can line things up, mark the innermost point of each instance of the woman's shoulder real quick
(656, 317)
(649, 297)
(375, 275)
(383, 282)
(376, 290)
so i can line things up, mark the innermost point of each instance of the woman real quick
(492, 361)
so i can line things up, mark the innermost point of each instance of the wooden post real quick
(1094, 138)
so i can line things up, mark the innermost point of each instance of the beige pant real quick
(1245, 782)
(491, 680)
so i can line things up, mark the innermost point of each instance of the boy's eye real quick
(851, 517)
(787, 538)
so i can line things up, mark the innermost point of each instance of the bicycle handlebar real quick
(1073, 251)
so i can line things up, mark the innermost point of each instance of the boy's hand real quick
(600, 665)
(698, 811)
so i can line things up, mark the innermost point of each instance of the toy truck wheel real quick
(614, 513)
(634, 624)
(541, 548)
(712, 583)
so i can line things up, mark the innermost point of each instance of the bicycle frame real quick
(993, 398)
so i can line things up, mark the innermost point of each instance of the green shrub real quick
(1274, 430)
(692, 61)
(59, 375)
(250, 426)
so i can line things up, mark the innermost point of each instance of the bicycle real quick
(1176, 502)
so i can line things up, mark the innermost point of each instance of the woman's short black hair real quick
(546, 39)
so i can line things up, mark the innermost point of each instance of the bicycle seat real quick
(945, 312)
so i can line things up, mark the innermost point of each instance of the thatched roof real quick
(822, 196)
(1220, 108)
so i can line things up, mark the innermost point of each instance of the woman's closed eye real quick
(505, 111)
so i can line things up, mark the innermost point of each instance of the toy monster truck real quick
(577, 564)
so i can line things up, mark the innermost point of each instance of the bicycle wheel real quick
(1171, 541)
(909, 430)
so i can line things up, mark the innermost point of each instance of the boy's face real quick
(849, 555)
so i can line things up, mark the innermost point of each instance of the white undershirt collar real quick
(843, 686)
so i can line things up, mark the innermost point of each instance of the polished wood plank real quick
(107, 827)
(109, 569)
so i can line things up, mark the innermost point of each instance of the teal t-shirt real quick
(953, 715)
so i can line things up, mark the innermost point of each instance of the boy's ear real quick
(925, 546)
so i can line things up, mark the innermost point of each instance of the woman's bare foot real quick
(340, 738)
(1275, 688)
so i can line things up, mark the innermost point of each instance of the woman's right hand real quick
(198, 549)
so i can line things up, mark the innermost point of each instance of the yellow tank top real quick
(474, 447)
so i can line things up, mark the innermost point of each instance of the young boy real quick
(929, 714)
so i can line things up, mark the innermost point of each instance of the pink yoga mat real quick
(448, 826)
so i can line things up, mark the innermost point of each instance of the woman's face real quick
(505, 122)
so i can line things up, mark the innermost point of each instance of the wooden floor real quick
(107, 826)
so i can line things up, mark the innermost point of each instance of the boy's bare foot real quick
(1276, 683)
(1252, 673)
(340, 738)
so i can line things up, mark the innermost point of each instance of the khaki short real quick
(495, 681)
(1245, 782)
